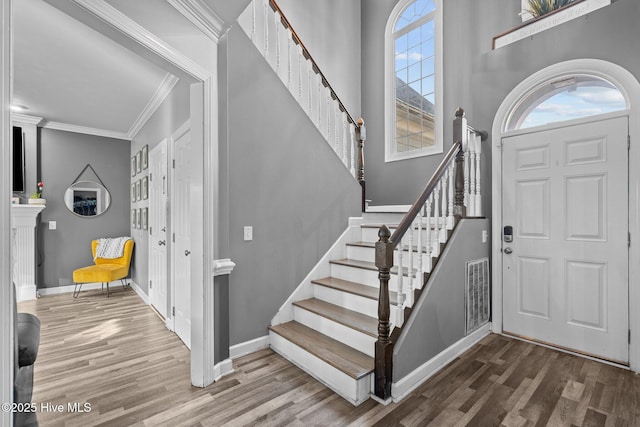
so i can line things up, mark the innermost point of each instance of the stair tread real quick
(366, 265)
(349, 318)
(354, 288)
(342, 357)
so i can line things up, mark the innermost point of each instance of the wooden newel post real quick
(384, 346)
(460, 135)
(362, 137)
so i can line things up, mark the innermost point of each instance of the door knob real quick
(162, 242)
(508, 250)
(187, 252)
(164, 229)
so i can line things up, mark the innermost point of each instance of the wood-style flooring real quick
(116, 355)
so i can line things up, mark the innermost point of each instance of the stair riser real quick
(355, 391)
(368, 254)
(347, 300)
(382, 217)
(360, 275)
(358, 340)
(371, 235)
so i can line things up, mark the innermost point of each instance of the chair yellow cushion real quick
(105, 270)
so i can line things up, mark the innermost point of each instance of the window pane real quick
(571, 98)
(414, 12)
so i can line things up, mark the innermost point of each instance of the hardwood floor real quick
(116, 355)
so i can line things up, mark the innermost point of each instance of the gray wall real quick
(63, 156)
(284, 180)
(469, 26)
(330, 29)
(438, 317)
(171, 114)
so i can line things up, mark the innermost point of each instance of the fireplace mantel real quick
(24, 219)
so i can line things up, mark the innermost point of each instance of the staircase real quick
(334, 326)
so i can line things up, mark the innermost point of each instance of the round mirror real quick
(87, 198)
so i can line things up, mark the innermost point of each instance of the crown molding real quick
(200, 15)
(86, 130)
(25, 118)
(165, 88)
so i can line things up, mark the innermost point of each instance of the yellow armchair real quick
(105, 270)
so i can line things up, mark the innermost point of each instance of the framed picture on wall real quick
(145, 217)
(133, 193)
(134, 218)
(139, 189)
(140, 218)
(145, 157)
(145, 188)
(134, 166)
(139, 161)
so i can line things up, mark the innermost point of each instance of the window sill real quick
(534, 26)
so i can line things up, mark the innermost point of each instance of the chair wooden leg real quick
(124, 285)
(76, 290)
(107, 289)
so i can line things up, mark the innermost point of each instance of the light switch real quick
(485, 236)
(53, 225)
(248, 233)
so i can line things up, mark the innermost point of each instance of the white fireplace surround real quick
(24, 219)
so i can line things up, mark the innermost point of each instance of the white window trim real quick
(389, 87)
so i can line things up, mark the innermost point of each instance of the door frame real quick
(630, 88)
(152, 290)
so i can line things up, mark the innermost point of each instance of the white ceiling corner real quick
(165, 88)
(205, 19)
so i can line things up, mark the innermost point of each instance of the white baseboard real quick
(143, 296)
(223, 368)
(67, 289)
(400, 389)
(249, 347)
(25, 293)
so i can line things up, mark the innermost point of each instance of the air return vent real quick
(477, 297)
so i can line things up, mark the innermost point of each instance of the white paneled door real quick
(565, 272)
(182, 239)
(158, 242)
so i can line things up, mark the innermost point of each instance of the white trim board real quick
(402, 388)
(248, 347)
(630, 88)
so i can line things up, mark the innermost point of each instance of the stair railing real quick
(274, 37)
(421, 234)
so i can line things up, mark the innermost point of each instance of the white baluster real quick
(472, 177)
(310, 107)
(436, 216)
(410, 272)
(277, 22)
(466, 174)
(289, 41)
(336, 127)
(266, 27)
(401, 294)
(300, 59)
(451, 185)
(253, 21)
(345, 147)
(478, 143)
(419, 270)
(352, 144)
(428, 237)
(328, 116)
(443, 211)
(319, 76)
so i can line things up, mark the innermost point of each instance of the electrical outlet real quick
(53, 225)
(485, 236)
(248, 233)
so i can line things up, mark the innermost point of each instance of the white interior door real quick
(158, 197)
(565, 274)
(181, 245)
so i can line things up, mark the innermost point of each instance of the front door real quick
(565, 270)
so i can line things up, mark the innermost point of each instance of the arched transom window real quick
(566, 98)
(413, 80)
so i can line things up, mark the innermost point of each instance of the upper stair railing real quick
(452, 193)
(274, 37)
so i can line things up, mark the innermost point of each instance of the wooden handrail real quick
(404, 225)
(307, 55)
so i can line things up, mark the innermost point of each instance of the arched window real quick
(413, 80)
(566, 98)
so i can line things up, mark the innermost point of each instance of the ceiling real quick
(77, 79)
